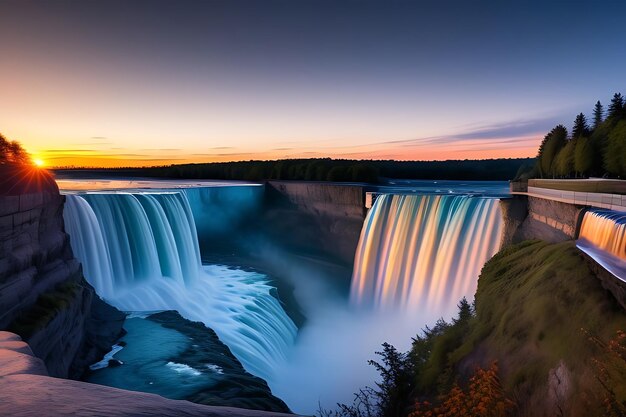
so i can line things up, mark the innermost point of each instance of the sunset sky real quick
(120, 83)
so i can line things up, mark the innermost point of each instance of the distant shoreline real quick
(330, 170)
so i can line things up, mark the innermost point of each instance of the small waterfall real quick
(140, 252)
(424, 252)
(603, 237)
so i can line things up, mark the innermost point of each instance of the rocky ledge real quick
(43, 295)
(26, 390)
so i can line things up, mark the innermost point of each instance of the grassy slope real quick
(532, 301)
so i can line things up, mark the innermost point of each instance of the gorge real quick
(208, 251)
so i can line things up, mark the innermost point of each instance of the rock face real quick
(317, 218)
(26, 390)
(614, 285)
(537, 218)
(43, 295)
(514, 212)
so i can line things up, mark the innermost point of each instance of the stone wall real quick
(538, 218)
(610, 282)
(320, 218)
(43, 295)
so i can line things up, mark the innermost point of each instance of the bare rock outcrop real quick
(43, 295)
(26, 390)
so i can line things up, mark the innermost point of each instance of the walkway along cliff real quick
(592, 212)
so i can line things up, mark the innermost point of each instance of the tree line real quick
(339, 170)
(596, 150)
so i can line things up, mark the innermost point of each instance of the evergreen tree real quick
(583, 156)
(598, 114)
(563, 164)
(615, 151)
(552, 144)
(396, 382)
(465, 312)
(580, 126)
(616, 108)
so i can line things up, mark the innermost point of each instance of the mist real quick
(329, 361)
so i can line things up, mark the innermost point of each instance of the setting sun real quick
(326, 208)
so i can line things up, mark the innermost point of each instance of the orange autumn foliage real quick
(484, 398)
(609, 370)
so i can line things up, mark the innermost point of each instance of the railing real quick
(578, 192)
(518, 186)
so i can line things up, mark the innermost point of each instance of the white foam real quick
(215, 368)
(181, 368)
(105, 361)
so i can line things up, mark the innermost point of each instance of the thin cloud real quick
(512, 131)
(162, 149)
(68, 151)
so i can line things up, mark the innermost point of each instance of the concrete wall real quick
(320, 218)
(527, 217)
(601, 200)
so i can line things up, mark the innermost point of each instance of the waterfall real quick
(424, 252)
(603, 237)
(140, 252)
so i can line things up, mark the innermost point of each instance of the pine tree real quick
(552, 144)
(465, 312)
(616, 108)
(583, 156)
(615, 151)
(598, 114)
(580, 126)
(563, 164)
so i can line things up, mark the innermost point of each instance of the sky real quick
(132, 83)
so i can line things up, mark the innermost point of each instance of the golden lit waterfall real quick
(603, 237)
(424, 251)
(606, 230)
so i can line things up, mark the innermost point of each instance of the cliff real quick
(26, 390)
(319, 218)
(43, 295)
(541, 314)
(554, 332)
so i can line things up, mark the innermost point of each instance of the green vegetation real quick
(543, 317)
(11, 152)
(597, 151)
(326, 169)
(47, 306)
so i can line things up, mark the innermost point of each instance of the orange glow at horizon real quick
(410, 151)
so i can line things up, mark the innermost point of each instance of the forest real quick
(597, 150)
(338, 170)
